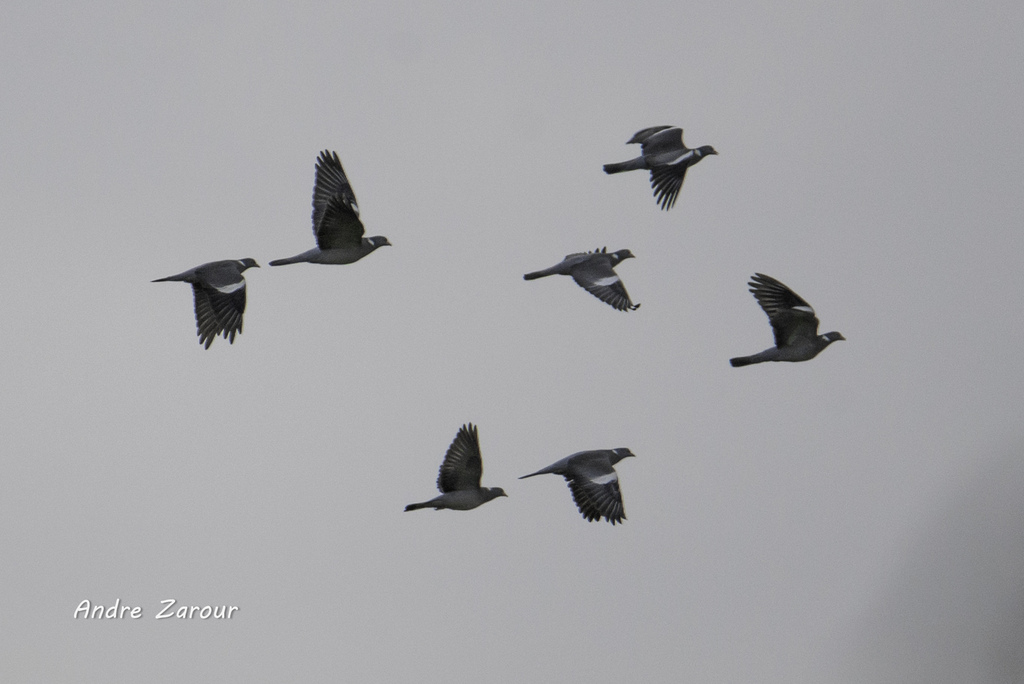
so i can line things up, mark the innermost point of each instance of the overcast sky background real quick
(856, 518)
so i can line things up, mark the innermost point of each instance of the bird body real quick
(594, 272)
(793, 322)
(339, 255)
(218, 289)
(666, 156)
(460, 500)
(459, 477)
(336, 225)
(593, 482)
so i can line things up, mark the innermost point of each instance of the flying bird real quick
(593, 482)
(219, 291)
(336, 224)
(594, 272)
(459, 479)
(663, 152)
(793, 321)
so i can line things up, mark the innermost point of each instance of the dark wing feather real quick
(642, 135)
(229, 309)
(791, 316)
(218, 312)
(662, 145)
(595, 489)
(462, 466)
(225, 289)
(207, 324)
(335, 210)
(666, 182)
(597, 277)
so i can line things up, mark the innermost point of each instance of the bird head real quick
(495, 492)
(833, 337)
(379, 241)
(247, 263)
(621, 453)
(705, 150)
(622, 254)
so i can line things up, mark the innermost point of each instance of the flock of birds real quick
(218, 289)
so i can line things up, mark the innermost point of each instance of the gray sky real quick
(852, 519)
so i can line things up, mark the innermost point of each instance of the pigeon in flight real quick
(664, 153)
(219, 291)
(593, 482)
(793, 321)
(459, 479)
(593, 271)
(336, 224)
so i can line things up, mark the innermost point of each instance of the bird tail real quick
(289, 260)
(631, 165)
(542, 471)
(539, 274)
(417, 506)
(742, 361)
(175, 278)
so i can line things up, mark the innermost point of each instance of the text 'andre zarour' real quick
(168, 609)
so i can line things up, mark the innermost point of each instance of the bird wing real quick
(462, 465)
(642, 135)
(595, 489)
(579, 257)
(216, 313)
(335, 210)
(218, 289)
(663, 144)
(666, 181)
(596, 276)
(792, 318)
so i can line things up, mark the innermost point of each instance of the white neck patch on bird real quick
(689, 154)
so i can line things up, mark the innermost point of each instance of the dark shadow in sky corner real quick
(953, 609)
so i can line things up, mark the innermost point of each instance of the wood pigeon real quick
(336, 224)
(664, 153)
(593, 271)
(219, 291)
(793, 321)
(459, 479)
(593, 482)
